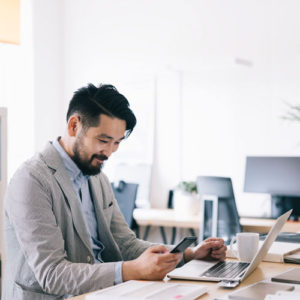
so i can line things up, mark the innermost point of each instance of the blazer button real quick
(88, 259)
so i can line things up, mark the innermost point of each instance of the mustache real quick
(100, 157)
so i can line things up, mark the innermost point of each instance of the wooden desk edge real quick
(264, 271)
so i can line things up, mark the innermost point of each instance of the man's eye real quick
(104, 142)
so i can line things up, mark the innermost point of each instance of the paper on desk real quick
(277, 251)
(149, 290)
(284, 295)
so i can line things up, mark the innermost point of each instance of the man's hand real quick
(210, 248)
(153, 264)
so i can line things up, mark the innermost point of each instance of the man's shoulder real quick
(36, 165)
(33, 166)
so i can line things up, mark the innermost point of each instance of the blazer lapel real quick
(111, 251)
(52, 158)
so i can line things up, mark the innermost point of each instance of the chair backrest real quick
(125, 194)
(227, 217)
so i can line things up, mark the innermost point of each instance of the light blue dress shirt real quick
(81, 186)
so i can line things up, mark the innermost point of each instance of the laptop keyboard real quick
(226, 269)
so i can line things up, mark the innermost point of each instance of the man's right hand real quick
(153, 264)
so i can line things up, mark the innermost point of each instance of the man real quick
(65, 234)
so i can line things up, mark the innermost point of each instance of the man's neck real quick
(66, 145)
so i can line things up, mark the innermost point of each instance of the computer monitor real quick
(220, 215)
(278, 176)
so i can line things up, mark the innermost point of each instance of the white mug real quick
(247, 245)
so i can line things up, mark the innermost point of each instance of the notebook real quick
(284, 295)
(259, 291)
(292, 258)
(214, 270)
(136, 289)
(290, 276)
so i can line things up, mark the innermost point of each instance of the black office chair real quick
(125, 194)
(227, 217)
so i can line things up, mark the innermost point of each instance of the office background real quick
(209, 81)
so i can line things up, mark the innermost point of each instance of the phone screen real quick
(182, 245)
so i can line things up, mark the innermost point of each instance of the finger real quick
(168, 266)
(212, 239)
(219, 256)
(220, 253)
(158, 249)
(219, 250)
(210, 245)
(216, 244)
(171, 257)
(169, 269)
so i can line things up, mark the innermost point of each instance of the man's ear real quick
(73, 125)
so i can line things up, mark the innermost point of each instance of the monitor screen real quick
(278, 176)
(275, 175)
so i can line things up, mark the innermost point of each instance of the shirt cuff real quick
(118, 272)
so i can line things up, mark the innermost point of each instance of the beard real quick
(83, 162)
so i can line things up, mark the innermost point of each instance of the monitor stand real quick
(281, 204)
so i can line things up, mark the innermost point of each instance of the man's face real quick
(95, 145)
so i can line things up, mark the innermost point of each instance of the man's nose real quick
(108, 150)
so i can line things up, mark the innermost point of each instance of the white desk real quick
(169, 218)
(165, 218)
(265, 270)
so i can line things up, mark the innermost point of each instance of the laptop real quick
(228, 273)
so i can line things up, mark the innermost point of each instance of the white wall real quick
(238, 61)
(16, 92)
(16, 95)
(222, 69)
(49, 67)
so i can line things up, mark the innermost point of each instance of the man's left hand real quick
(210, 248)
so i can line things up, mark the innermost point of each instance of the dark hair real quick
(91, 101)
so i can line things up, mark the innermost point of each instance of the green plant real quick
(293, 114)
(187, 186)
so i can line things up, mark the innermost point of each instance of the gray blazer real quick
(48, 249)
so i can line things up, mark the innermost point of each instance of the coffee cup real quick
(246, 246)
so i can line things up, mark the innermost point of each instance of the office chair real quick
(125, 194)
(219, 212)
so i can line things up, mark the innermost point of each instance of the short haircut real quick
(90, 102)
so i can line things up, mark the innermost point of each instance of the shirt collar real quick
(75, 173)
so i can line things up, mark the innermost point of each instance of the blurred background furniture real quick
(225, 220)
(125, 193)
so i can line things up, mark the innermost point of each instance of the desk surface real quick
(169, 218)
(264, 271)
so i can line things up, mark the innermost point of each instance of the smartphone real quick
(183, 244)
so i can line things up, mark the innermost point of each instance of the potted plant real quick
(186, 201)
(293, 114)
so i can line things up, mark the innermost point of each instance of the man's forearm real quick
(188, 254)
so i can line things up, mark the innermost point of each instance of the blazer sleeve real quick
(39, 238)
(130, 246)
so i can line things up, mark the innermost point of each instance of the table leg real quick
(137, 231)
(192, 231)
(173, 235)
(146, 232)
(163, 234)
